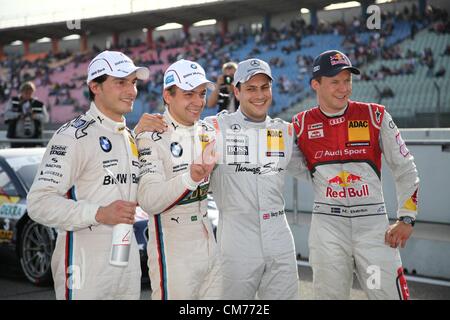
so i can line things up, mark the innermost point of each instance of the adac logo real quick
(344, 179)
(105, 144)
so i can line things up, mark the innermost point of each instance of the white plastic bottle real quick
(121, 243)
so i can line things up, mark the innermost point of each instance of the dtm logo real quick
(351, 185)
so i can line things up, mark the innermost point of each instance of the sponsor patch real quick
(58, 150)
(275, 143)
(358, 130)
(336, 121)
(315, 134)
(403, 149)
(358, 144)
(105, 144)
(78, 123)
(176, 149)
(234, 150)
(204, 139)
(235, 127)
(338, 59)
(315, 126)
(169, 79)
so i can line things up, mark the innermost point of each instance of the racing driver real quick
(173, 188)
(342, 142)
(87, 183)
(256, 245)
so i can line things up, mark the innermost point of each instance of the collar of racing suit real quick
(337, 114)
(111, 125)
(249, 122)
(175, 124)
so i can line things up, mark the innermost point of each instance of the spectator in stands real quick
(447, 51)
(25, 117)
(440, 72)
(342, 142)
(387, 93)
(223, 94)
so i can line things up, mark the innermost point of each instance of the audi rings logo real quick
(254, 63)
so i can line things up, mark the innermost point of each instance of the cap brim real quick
(332, 73)
(251, 75)
(142, 73)
(209, 85)
(336, 71)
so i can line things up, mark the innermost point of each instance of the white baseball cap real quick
(248, 68)
(116, 64)
(186, 75)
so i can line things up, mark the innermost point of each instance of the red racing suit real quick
(343, 155)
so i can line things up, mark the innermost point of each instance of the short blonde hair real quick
(27, 86)
(230, 64)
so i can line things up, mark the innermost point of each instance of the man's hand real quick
(119, 211)
(220, 81)
(204, 165)
(150, 122)
(397, 234)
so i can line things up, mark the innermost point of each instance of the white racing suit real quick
(71, 184)
(255, 241)
(182, 250)
(349, 222)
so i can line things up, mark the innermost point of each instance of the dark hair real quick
(318, 79)
(98, 80)
(172, 91)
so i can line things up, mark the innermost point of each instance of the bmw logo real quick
(105, 144)
(254, 63)
(193, 66)
(176, 149)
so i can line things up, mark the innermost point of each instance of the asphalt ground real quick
(14, 286)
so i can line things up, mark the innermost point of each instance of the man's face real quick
(333, 92)
(186, 106)
(255, 97)
(27, 94)
(115, 96)
(229, 71)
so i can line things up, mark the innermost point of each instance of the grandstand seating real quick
(414, 93)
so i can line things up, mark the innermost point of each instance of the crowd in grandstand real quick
(286, 44)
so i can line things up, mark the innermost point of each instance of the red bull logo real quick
(338, 59)
(345, 180)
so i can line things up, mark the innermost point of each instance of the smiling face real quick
(255, 96)
(333, 92)
(185, 106)
(115, 96)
